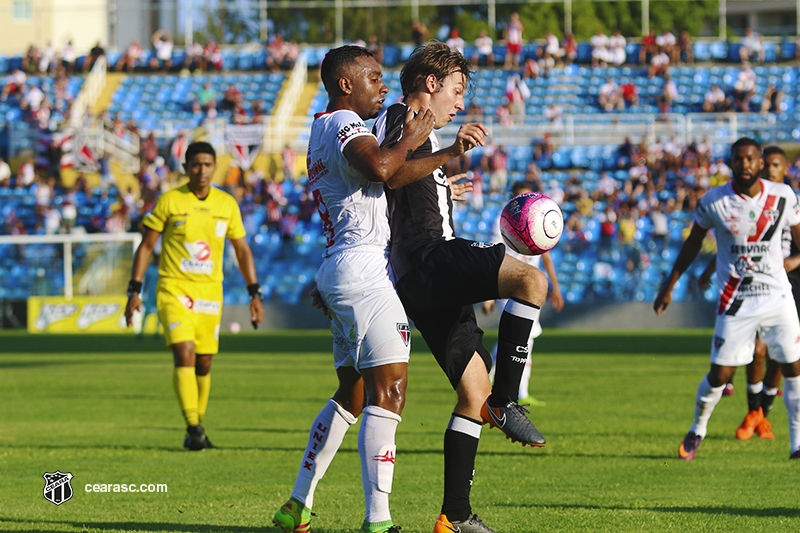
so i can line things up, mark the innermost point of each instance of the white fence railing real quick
(277, 131)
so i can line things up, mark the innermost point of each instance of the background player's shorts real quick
(794, 279)
(369, 323)
(454, 273)
(735, 337)
(190, 311)
(514, 48)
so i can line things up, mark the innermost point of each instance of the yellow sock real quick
(203, 391)
(185, 384)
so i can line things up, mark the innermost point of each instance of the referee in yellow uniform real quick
(194, 221)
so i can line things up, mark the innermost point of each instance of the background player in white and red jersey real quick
(347, 170)
(556, 299)
(748, 216)
(514, 41)
(762, 387)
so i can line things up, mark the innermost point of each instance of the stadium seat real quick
(584, 54)
(788, 50)
(733, 52)
(719, 50)
(702, 51)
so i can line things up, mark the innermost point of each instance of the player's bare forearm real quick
(143, 254)
(705, 277)
(380, 164)
(245, 257)
(685, 258)
(791, 262)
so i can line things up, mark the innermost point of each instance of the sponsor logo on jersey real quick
(316, 171)
(57, 487)
(477, 244)
(200, 306)
(405, 332)
(349, 130)
(51, 313)
(95, 312)
(737, 249)
(201, 262)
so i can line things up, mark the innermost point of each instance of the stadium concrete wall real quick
(602, 316)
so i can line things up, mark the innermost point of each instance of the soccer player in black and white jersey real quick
(748, 216)
(762, 386)
(440, 277)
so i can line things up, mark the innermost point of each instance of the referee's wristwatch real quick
(254, 289)
(134, 287)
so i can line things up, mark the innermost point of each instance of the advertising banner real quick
(82, 314)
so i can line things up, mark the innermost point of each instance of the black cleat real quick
(513, 422)
(195, 438)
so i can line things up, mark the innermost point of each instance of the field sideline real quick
(618, 405)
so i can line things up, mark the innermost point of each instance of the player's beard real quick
(745, 184)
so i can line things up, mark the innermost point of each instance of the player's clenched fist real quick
(469, 136)
(418, 128)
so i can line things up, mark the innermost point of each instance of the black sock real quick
(766, 401)
(515, 327)
(460, 448)
(753, 400)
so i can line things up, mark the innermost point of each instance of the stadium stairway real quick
(113, 80)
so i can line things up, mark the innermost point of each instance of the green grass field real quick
(618, 405)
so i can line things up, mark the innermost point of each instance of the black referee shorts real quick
(446, 279)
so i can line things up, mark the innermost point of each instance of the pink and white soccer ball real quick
(531, 223)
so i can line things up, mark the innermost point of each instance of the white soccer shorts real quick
(369, 323)
(735, 337)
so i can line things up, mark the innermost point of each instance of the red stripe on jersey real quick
(727, 293)
(763, 219)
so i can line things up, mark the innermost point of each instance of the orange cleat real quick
(753, 419)
(764, 429)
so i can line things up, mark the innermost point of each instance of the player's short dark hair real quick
(336, 61)
(744, 141)
(772, 150)
(199, 147)
(433, 58)
(519, 186)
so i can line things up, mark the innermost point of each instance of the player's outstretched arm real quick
(555, 297)
(248, 267)
(380, 164)
(705, 278)
(469, 136)
(140, 261)
(687, 254)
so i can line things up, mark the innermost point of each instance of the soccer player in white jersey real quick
(762, 386)
(556, 299)
(748, 216)
(347, 170)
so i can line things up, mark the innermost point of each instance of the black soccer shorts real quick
(446, 279)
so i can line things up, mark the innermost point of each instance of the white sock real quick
(707, 399)
(755, 388)
(376, 448)
(791, 397)
(324, 439)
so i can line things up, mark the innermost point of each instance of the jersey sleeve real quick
(235, 227)
(793, 213)
(703, 217)
(157, 218)
(349, 126)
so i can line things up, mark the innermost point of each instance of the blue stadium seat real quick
(702, 51)
(584, 54)
(719, 50)
(3, 64)
(391, 55)
(632, 53)
(733, 52)
(770, 52)
(788, 50)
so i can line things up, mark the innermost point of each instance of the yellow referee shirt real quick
(193, 232)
